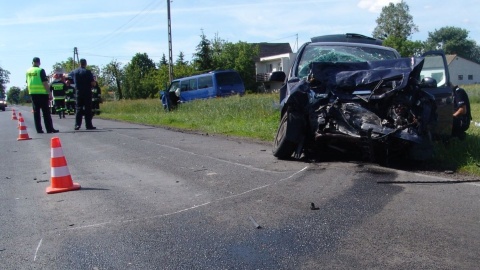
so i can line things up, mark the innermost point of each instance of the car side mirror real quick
(428, 82)
(277, 76)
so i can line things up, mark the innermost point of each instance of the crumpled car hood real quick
(365, 75)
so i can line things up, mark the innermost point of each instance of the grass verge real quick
(251, 116)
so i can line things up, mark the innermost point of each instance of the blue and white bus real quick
(218, 83)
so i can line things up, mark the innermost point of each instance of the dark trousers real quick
(70, 106)
(60, 106)
(83, 108)
(460, 125)
(41, 102)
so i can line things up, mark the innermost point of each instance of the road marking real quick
(190, 208)
(214, 158)
(36, 251)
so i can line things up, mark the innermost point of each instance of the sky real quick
(106, 30)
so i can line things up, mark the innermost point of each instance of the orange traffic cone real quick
(14, 116)
(22, 132)
(19, 116)
(60, 180)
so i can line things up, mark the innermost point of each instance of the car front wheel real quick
(282, 147)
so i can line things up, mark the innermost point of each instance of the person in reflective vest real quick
(39, 91)
(69, 96)
(58, 88)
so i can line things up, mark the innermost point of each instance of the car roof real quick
(351, 44)
(348, 37)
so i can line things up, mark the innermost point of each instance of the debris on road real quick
(255, 223)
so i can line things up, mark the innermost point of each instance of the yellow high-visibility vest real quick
(34, 82)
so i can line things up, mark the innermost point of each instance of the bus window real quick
(184, 86)
(205, 82)
(192, 84)
(228, 78)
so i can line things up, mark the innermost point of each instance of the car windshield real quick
(340, 53)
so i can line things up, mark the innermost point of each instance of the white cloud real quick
(375, 6)
(70, 17)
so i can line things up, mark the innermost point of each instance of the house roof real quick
(270, 49)
(450, 58)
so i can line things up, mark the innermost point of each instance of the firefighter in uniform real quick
(96, 98)
(58, 88)
(69, 96)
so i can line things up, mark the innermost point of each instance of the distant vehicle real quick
(219, 83)
(348, 92)
(3, 103)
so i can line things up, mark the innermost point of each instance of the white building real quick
(272, 57)
(270, 64)
(463, 71)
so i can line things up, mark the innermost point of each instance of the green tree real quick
(218, 46)
(67, 66)
(240, 57)
(181, 60)
(24, 96)
(453, 40)
(476, 54)
(181, 71)
(162, 78)
(163, 61)
(406, 48)
(150, 84)
(139, 68)
(113, 75)
(4, 79)
(96, 71)
(203, 57)
(13, 95)
(395, 20)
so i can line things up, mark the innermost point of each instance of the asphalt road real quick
(152, 198)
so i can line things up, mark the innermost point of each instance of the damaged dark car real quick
(351, 95)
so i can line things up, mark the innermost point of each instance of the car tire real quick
(282, 147)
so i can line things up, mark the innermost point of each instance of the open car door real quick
(435, 66)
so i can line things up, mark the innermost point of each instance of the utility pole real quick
(170, 61)
(75, 54)
(296, 45)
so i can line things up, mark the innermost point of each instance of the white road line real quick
(187, 209)
(36, 251)
(217, 159)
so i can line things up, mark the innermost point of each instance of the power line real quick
(296, 35)
(121, 29)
